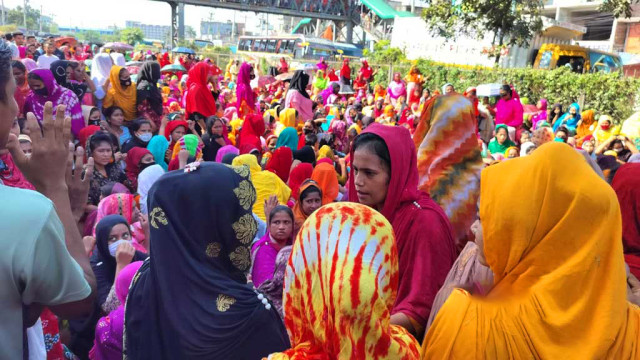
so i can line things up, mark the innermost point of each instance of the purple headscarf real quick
(107, 344)
(58, 96)
(541, 116)
(243, 89)
(229, 149)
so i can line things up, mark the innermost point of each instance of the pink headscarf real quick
(243, 90)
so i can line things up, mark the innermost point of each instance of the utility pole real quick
(24, 15)
(3, 12)
(40, 19)
(413, 5)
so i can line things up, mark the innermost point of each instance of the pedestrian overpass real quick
(344, 13)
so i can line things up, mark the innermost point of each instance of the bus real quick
(294, 46)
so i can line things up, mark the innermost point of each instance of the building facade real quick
(155, 32)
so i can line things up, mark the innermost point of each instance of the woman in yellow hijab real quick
(266, 184)
(340, 285)
(559, 277)
(122, 92)
(286, 119)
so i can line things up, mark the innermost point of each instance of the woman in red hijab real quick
(137, 160)
(345, 72)
(626, 183)
(280, 163)
(200, 101)
(332, 75)
(252, 128)
(426, 249)
(298, 175)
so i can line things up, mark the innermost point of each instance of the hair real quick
(310, 140)
(5, 71)
(616, 141)
(326, 139)
(376, 145)
(137, 124)
(30, 37)
(310, 190)
(17, 33)
(110, 110)
(525, 132)
(73, 64)
(506, 130)
(211, 120)
(93, 109)
(279, 209)
(98, 138)
(507, 89)
(8, 36)
(367, 120)
(17, 64)
(564, 130)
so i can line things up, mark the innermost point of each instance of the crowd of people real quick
(247, 213)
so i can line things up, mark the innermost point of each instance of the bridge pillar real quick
(350, 32)
(174, 24)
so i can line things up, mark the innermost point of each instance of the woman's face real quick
(78, 73)
(125, 78)
(513, 153)
(281, 226)
(272, 144)
(397, 78)
(501, 135)
(371, 178)
(353, 113)
(35, 84)
(311, 203)
(94, 116)
(69, 72)
(178, 133)
(448, 89)
(539, 105)
(556, 110)
(572, 110)
(144, 129)
(102, 154)
(119, 232)
(147, 159)
(19, 76)
(524, 138)
(216, 128)
(588, 146)
(116, 118)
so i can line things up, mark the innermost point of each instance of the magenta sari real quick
(107, 344)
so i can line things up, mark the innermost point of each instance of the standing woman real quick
(385, 177)
(148, 96)
(100, 70)
(201, 307)
(298, 97)
(22, 86)
(200, 101)
(396, 89)
(246, 98)
(345, 73)
(122, 92)
(44, 88)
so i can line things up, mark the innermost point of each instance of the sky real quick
(101, 14)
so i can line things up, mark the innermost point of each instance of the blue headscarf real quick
(191, 300)
(567, 121)
(157, 146)
(289, 138)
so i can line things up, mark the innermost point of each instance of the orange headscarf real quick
(121, 97)
(587, 125)
(298, 214)
(325, 175)
(560, 285)
(340, 286)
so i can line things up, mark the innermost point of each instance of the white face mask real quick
(114, 246)
(146, 137)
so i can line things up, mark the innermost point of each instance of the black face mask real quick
(42, 92)
(144, 166)
(125, 83)
(252, 76)
(307, 131)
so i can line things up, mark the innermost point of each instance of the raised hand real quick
(77, 182)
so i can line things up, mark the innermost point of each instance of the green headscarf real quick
(157, 146)
(289, 138)
(496, 147)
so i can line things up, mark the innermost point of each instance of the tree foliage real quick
(618, 8)
(512, 22)
(131, 35)
(91, 36)
(16, 16)
(383, 53)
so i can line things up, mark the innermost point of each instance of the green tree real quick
(190, 32)
(384, 54)
(618, 8)
(512, 22)
(91, 36)
(16, 16)
(131, 35)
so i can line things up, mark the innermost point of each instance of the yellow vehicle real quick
(577, 58)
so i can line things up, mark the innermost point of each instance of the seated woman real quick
(44, 88)
(264, 251)
(141, 131)
(114, 123)
(106, 170)
(385, 177)
(192, 145)
(621, 145)
(340, 288)
(325, 175)
(265, 182)
(558, 275)
(114, 250)
(309, 201)
(110, 329)
(138, 159)
(201, 306)
(121, 93)
(501, 142)
(214, 139)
